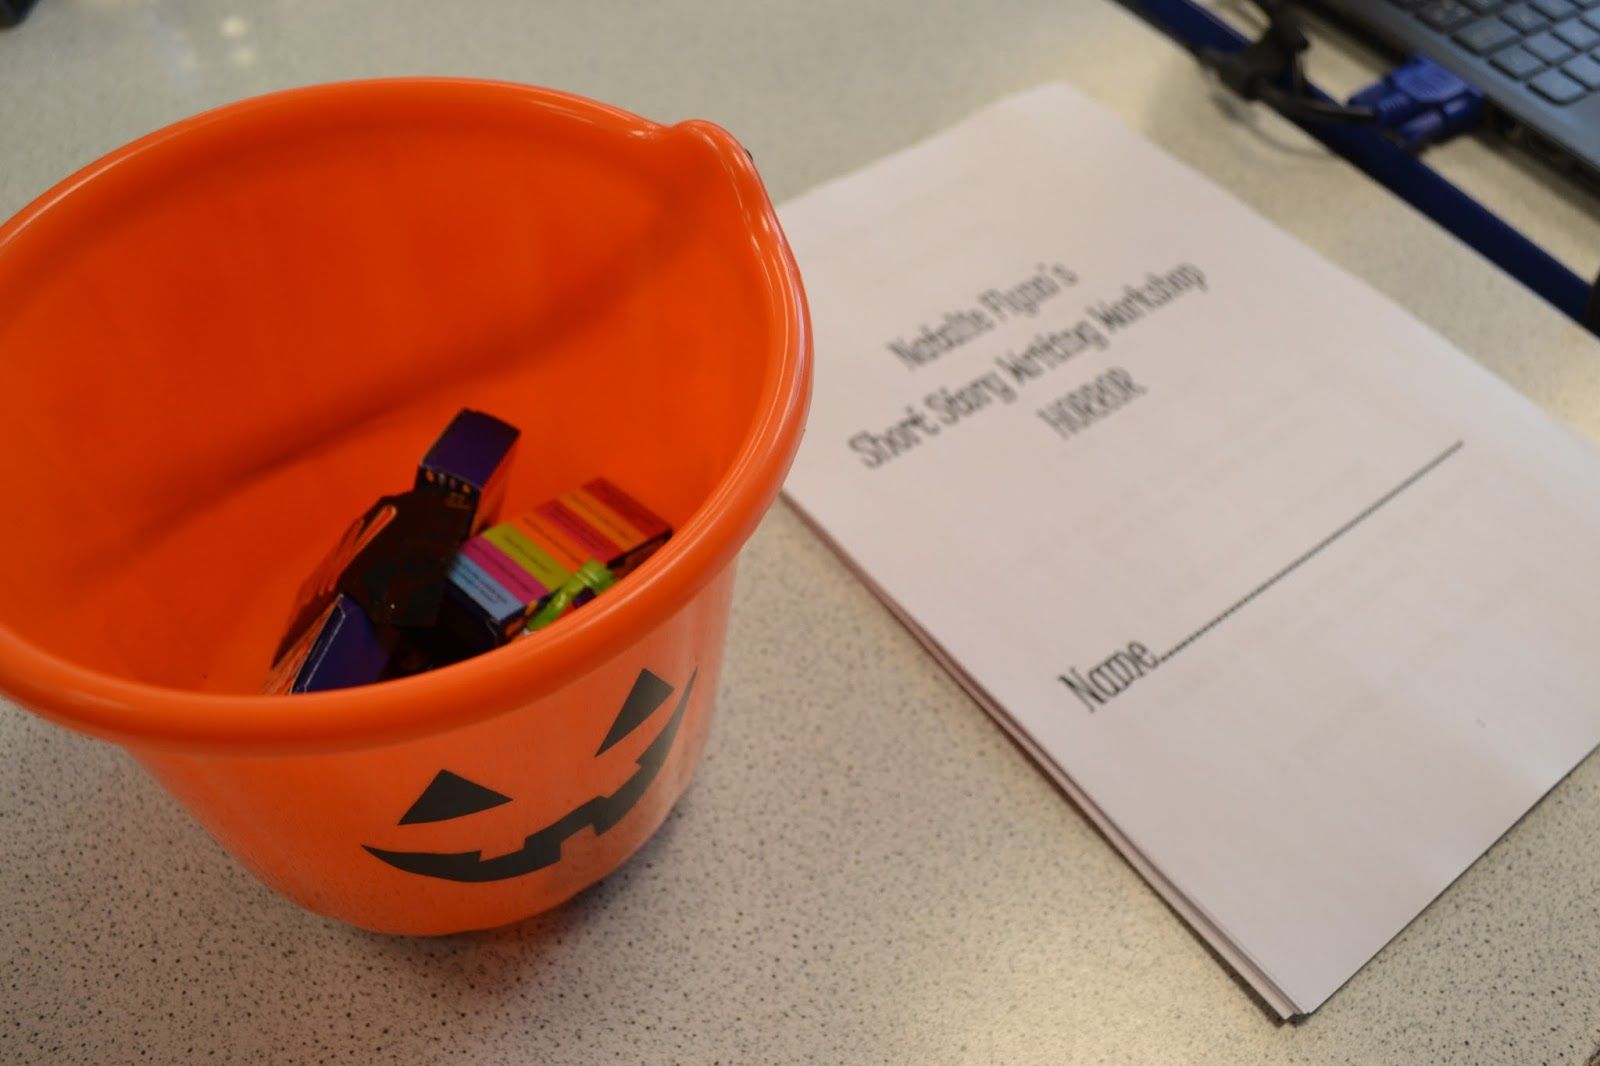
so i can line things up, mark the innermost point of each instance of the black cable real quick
(1268, 69)
(1311, 110)
(12, 12)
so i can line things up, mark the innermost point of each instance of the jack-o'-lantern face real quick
(451, 795)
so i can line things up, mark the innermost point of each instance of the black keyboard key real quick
(1484, 7)
(1554, 9)
(1486, 35)
(1444, 15)
(1557, 87)
(1524, 18)
(1583, 69)
(1518, 62)
(1578, 34)
(1547, 48)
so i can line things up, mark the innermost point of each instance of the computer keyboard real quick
(1551, 46)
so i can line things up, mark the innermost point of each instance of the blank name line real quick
(1428, 468)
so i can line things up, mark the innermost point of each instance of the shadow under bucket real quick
(223, 341)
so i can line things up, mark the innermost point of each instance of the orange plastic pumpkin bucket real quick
(223, 341)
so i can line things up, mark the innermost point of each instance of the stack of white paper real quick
(1295, 600)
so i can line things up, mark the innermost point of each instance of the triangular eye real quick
(649, 692)
(451, 796)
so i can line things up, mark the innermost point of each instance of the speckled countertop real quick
(865, 870)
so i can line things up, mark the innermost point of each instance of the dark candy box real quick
(394, 558)
(413, 585)
(341, 650)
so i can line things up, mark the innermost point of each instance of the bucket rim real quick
(141, 715)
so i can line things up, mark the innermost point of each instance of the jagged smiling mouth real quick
(543, 848)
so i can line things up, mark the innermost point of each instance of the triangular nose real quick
(451, 796)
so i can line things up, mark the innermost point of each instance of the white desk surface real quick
(865, 870)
